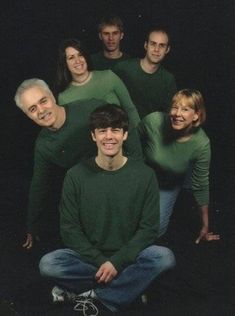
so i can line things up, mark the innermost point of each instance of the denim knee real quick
(168, 258)
(158, 256)
(47, 265)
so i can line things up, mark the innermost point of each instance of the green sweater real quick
(57, 151)
(104, 85)
(171, 159)
(149, 92)
(100, 62)
(109, 215)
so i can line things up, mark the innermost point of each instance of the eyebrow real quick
(39, 101)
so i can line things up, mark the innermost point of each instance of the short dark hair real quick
(113, 20)
(109, 115)
(160, 29)
(64, 76)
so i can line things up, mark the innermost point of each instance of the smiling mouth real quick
(78, 67)
(109, 145)
(45, 116)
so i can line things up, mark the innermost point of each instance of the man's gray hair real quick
(27, 84)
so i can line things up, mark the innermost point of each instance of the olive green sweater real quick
(103, 85)
(109, 215)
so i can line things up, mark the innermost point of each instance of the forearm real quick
(204, 216)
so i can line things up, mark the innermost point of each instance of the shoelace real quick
(86, 306)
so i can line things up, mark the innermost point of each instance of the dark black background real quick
(201, 57)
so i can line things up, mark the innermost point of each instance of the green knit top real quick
(149, 92)
(103, 85)
(109, 215)
(171, 159)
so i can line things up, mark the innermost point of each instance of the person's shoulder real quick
(82, 168)
(201, 137)
(139, 167)
(166, 72)
(124, 64)
(155, 118)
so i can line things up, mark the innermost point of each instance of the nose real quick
(178, 112)
(78, 59)
(108, 134)
(40, 108)
(157, 47)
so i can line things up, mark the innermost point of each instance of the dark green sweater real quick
(57, 151)
(100, 62)
(171, 159)
(149, 92)
(109, 215)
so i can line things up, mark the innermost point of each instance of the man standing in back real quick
(110, 33)
(150, 85)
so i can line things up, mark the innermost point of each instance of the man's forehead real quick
(158, 36)
(33, 95)
(110, 29)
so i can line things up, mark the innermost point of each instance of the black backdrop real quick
(201, 57)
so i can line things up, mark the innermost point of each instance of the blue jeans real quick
(167, 202)
(68, 270)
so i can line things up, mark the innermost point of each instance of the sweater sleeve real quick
(200, 175)
(39, 189)
(147, 231)
(125, 100)
(70, 227)
(60, 99)
(132, 146)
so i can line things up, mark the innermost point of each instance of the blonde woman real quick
(173, 144)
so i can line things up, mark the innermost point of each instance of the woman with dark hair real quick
(76, 80)
(173, 144)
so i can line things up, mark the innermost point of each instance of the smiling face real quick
(76, 62)
(182, 115)
(156, 47)
(39, 105)
(111, 36)
(109, 141)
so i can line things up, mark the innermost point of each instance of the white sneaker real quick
(61, 295)
(83, 302)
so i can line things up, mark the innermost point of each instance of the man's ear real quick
(168, 49)
(100, 37)
(93, 137)
(122, 35)
(125, 135)
(145, 45)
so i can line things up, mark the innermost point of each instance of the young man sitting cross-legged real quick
(109, 222)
